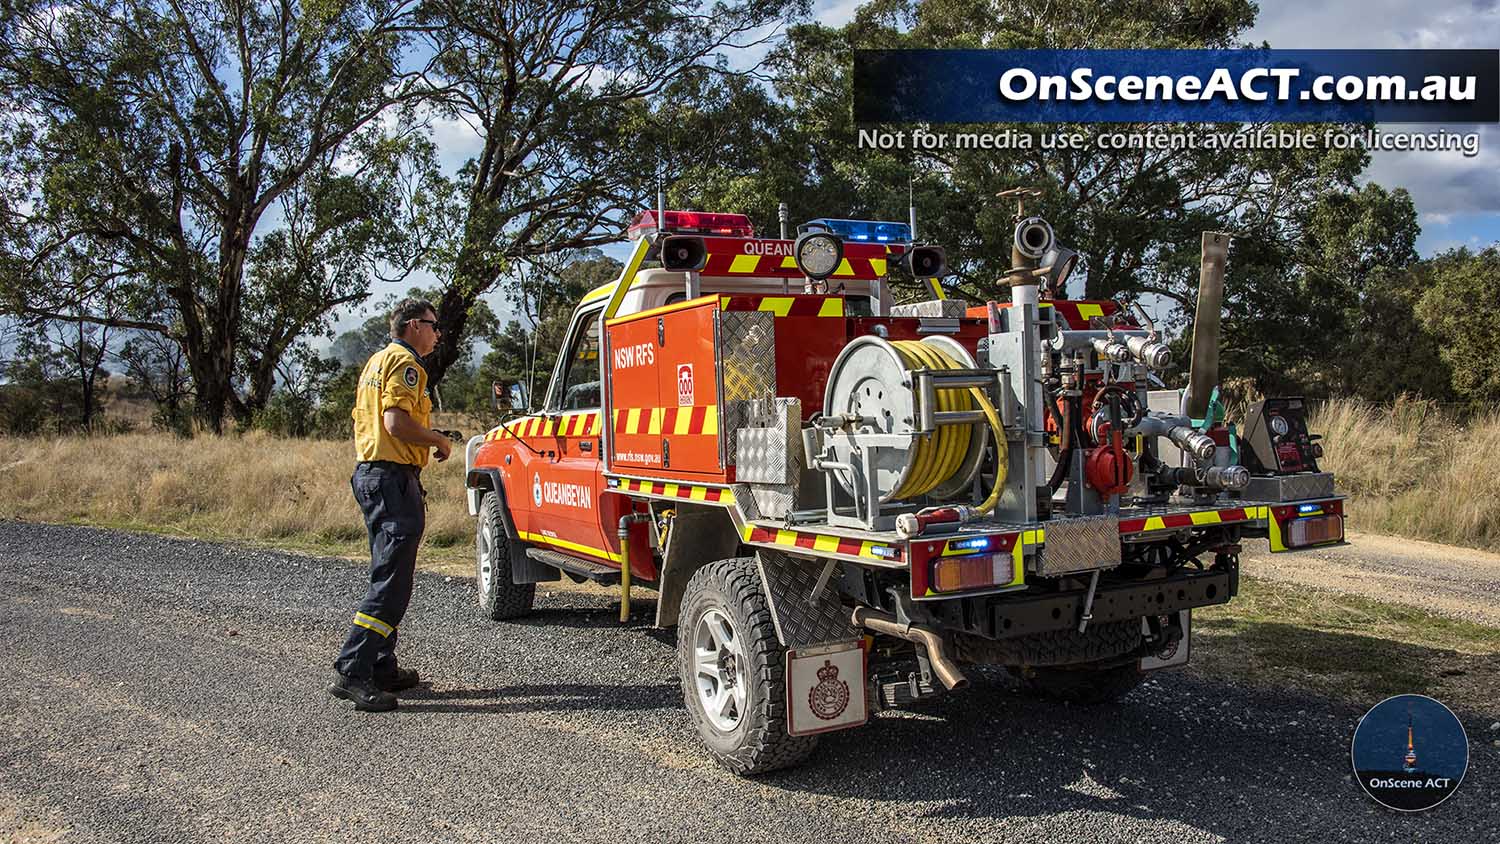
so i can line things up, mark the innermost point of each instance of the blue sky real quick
(1458, 198)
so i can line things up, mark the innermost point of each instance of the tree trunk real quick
(472, 274)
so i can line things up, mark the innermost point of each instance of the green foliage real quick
(583, 107)
(146, 141)
(527, 356)
(44, 391)
(1461, 290)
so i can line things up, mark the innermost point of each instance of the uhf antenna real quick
(911, 205)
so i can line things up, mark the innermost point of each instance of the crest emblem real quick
(830, 697)
(536, 490)
(410, 377)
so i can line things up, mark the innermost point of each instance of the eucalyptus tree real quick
(173, 132)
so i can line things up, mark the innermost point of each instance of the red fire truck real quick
(840, 501)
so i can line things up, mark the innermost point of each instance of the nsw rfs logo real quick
(830, 697)
(684, 384)
(536, 490)
(410, 377)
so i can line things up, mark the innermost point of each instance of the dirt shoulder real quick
(1456, 582)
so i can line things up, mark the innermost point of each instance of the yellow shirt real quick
(392, 377)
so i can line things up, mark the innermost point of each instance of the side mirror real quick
(506, 395)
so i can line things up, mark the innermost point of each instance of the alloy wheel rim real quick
(719, 670)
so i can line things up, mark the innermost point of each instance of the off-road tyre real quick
(1099, 642)
(1082, 683)
(759, 743)
(500, 597)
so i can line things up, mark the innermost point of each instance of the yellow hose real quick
(941, 454)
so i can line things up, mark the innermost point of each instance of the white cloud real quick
(1442, 184)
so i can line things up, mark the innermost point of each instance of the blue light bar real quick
(978, 543)
(866, 231)
(1308, 508)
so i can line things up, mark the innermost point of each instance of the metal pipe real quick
(943, 666)
(1203, 370)
(623, 531)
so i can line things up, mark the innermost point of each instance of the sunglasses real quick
(431, 322)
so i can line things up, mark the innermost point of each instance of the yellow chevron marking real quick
(1153, 523)
(746, 531)
(878, 265)
(778, 305)
(726, 497)
(845, 269)
(711, 419)
(744, 263)
(786, 537)
(654, 425)
(670, 490)
(788, 262)
(1088, 312)
(683, 422)
(1209, 518)
(831, 308)
(699, 493)
(826, 544)
(633, 420)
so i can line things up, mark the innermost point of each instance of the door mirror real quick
(509, 395)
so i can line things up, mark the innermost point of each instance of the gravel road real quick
(159, 690)
(1458, 582)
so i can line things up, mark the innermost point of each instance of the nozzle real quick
(1197, 443)
(1111, 349)
(1154, 354)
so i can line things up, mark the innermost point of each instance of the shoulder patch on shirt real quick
(410, 377)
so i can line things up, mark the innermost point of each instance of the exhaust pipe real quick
(1203, 369)
(937, 651)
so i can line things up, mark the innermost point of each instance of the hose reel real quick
(906, 419)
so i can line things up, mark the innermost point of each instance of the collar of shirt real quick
(407, 346)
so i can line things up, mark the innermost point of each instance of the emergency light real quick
(646, 224)
(865, 231)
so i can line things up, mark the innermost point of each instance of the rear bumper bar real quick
(1008, 616)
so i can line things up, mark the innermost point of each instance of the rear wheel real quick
(499, 596)
(733, 671)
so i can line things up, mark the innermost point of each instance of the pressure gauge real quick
(1279, 426)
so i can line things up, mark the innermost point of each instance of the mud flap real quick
(825, 688)
(1176, 653)
(826, 673)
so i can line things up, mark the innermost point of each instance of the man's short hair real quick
(406, 311)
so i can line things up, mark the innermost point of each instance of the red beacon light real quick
(709, 223)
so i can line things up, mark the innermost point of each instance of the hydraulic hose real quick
(941, 454)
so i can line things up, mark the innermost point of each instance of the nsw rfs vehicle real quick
(841, 503)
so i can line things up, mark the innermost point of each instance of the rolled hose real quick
(940, 455)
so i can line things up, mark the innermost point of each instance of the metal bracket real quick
(1088, 603)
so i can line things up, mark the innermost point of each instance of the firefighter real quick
(391, 440)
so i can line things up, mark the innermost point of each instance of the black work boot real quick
(365, 695)
(399, 680)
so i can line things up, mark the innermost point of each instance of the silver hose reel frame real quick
(869, 379)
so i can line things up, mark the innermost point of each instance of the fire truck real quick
(842, 503)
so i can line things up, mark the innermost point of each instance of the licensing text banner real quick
(1197, 86)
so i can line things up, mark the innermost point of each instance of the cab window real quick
(580, 384)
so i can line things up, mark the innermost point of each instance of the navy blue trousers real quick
(390, 496)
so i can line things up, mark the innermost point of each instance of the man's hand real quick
(401, 426)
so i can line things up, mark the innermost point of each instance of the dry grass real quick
(253, 487)
(1412, 471)
(1415, 472)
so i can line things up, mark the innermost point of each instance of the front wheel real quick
(733, 671)
(500, 597)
